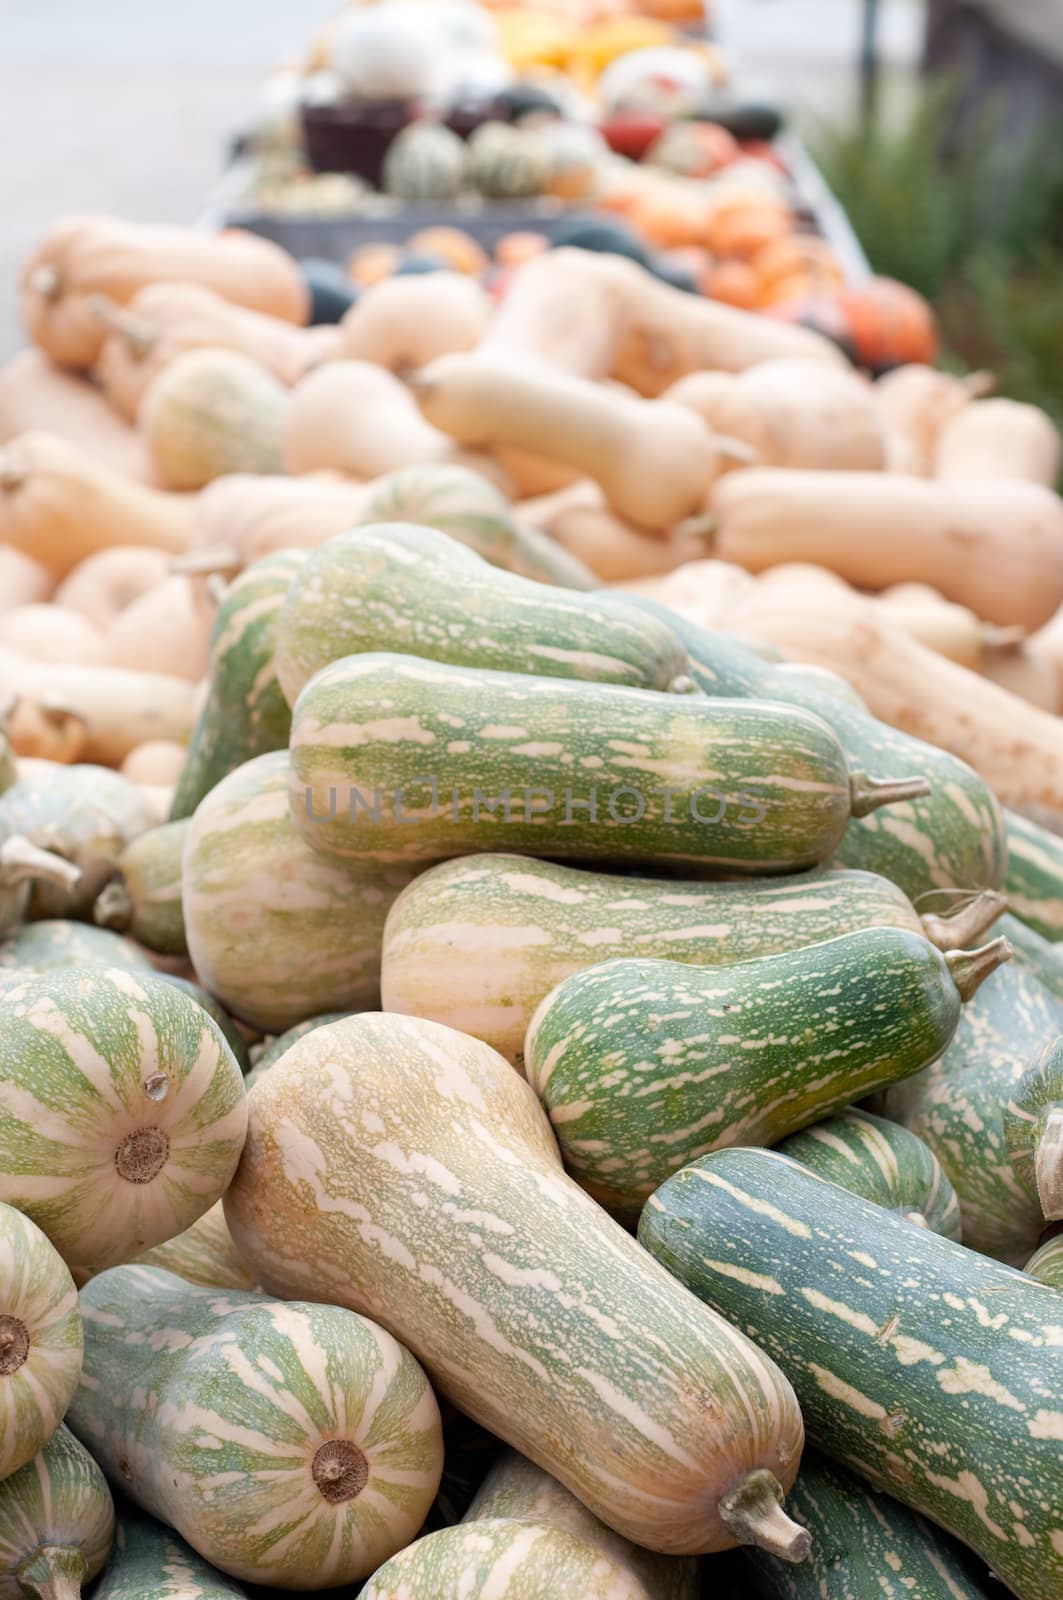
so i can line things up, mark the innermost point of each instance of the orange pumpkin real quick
(743, 226)
(454, 247)
(879, 324)
(733, 282)
(668, 220)
(804, 283)
(372, 262)
(513, 249)
(791, 255)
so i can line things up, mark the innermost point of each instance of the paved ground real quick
(125, 105)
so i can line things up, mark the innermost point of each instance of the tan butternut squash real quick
(163, 631)
(703, 590)
(34, 393)
(582, 523)
(58, 505)
(51, 633)
(165, 320)
(48, 734)
(996, 547)
(1016, 748)
(23, 581)
(566, 310)
(104, 584)
(402, 323)
(82, 257)
(352, 417)
(791, 413)
(999, 439)
(942, 625)
(241, 518)
(211, 412)
(1026, 672)
(155, 764)
(118, 709)
(653, 461)
(914, 404)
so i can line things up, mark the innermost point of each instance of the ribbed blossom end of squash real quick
(969, 922)
(970, 968)
(54, 1572)
(1048, 1165)
(753, 1512)
(868, 794)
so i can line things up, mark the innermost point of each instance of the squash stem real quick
(867, 794)
(752, 1512)
(22, 861)
(978, 384)
(138, 334)
(114, 907)
(225, 560)
(46, 280)
(53, 1572)
(703, 525)
(1048, 1165)
(962, 927)
(970, 968)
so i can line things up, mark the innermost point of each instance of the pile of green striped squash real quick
(423, 1065)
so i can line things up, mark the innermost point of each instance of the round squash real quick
(211, 412)
(40, 1340)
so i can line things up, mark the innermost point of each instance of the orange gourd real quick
(579, 518)
(35, 393)
(880, 324)
(458, 249)
(916, 402)
(403, 323)
(51, 633)
(355, 418)
(104, 584)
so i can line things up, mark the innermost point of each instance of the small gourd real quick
(56, 1523)
(426, 161)
(212, 412)
(505, 163)
(40, 1340)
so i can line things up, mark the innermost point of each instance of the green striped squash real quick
(150, 1562)
(477, 942)
(399, 759)
(288, 1443)
(214, 1009)
(952, 837)
(865, 1546)
(61, 943)
(24, 869)
(643, 1065)
(1033, 1129)
(459, 502)
(278, 932)
(408, 589)
(203, 1254)
(86, 815)
(145, 898)
(517, 1490)
(275, 1047)
(958, 1107)
(1034, 880)
(56, 1523)
(926, 1367)
(245, 713)
(122, 1111)
(1046, 1263)
(40, 1340)
(407, 1171)
(1035, 953)
(883, 1162)
(8, 764)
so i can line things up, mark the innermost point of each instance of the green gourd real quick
(1046, 1263)
(203, 1254)
(58, 942)
(150, 1562)
(275, 1047)
(40, 1340)
(145, 898)
(1034, 881)
(56, 1523)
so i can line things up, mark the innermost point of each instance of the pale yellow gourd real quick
(581, 521)
(51, 633)
(354, 418)
(23, 581)
(163, 630)
(155, 764)
(1000, 439)
(100, 712)
(404, 322)
(241, 518)
(34, 393)
(914, 404)
(210, 412)
(104, 584)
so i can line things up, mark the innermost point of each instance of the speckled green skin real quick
(61, 943)
(413, 591)
(929, 1369)
(477, 942)
(951, 839)
(56, 1523)
(643, 1065)
(458, 502)
(8, 765)
(1033, 1130)
(1046, 1263)
(1034, 881)
(245, 713)
(865, 1546)
(38, 1301)
(1035, 953)
(275, 930)
(406, 1170)
(272, 1052)
(150, 885)
(150, 1562)
(881, 1161)
(958, 1107)
(516, 1489)
(780, 787)
(203, 1254)
(245, 1392)
(90, 1059)
(87, 815)
(233, 1037)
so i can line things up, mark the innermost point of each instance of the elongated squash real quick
(56, 1523)
(245, 713)
(40, 1340)
(643, 1065)
(145, 898)
(103, 585)
(1036, 954)
(83, 256)
(251, 883)
(411, 590)
(504, 1265)
(580, 522)
(1034, 881)
(953, 838)
(59, 943)
(929, 1372)
(241, 518)
(865, 1546)
(86, 815)
(164, 631)
(471, 509)
(477, 942)
(501, 1558)
(203, 1254)
(321, 1446)
(915, 404)
(150, 1562)
(595, 771)
(1033, 1127)
(404, 322)
(883, 1162)
(105, 711)
(999, 439)
(1046, 1263)
(355, 418)
(958, 1107)
(36, 394)
(125, 1111)
(211, 412)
